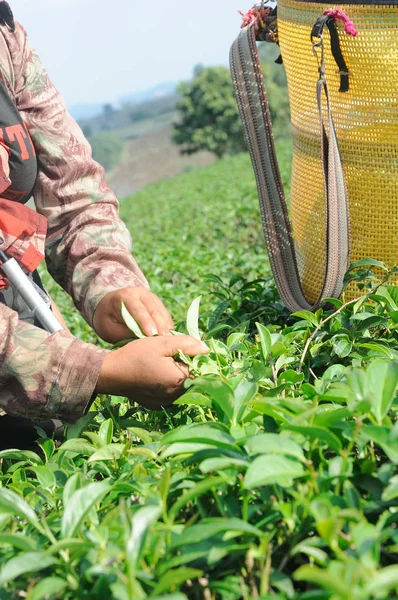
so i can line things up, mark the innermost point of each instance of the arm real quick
(47, 376)
(88, 248)
(43, 375)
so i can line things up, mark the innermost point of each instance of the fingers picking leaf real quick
(130, 322)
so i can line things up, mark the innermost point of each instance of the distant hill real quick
(161, 90)
(86, 111)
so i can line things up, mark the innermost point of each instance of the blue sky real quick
(99, 50)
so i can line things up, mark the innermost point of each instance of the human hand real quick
(145, 371)
(146, 308)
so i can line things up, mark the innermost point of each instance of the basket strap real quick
(254, 111)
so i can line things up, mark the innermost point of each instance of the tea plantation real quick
(274, 477)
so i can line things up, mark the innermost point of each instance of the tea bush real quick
(274, 477)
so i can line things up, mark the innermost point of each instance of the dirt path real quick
(150, 158)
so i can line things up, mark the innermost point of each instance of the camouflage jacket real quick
(88, 248)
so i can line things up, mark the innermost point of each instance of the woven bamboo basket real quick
(366, 120)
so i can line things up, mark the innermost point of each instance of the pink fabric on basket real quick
(339, 15)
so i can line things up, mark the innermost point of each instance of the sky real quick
(99, 50)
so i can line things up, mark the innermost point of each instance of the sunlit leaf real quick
(271, 469)
(193, 319)
(130, 322)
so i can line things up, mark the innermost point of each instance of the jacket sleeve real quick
(88, 249)
(43, 375)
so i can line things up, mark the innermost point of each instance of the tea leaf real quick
(265, 340)
(48, 588)
(80, 504)
(270, 443)
(384, 581)
(174, 578)
(109, 452)
(271, 469)
(382, 380)
(321, 577)
(130, 322)
(322, 434)
(11, 503)
(29, 562)
(193, 319)
(142, 520)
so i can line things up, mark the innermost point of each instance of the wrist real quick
(105, 376)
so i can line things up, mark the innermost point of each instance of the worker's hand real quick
(146, 308)
(146, 372)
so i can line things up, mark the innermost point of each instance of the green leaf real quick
(48, 588)
(220, 392)
(45, 476)
(322, 434)
(183, 448)
(193, 398)
(80, 504)
(106, 431)
(306, 315)
(367, 262)
(244, 394)
(195, 492)
(271, 443)
(74, 431)
(382, 436)
(265, 340)
(109, 452)
(175, 596)
(388, 293)
(142, 521)
(203, 434)
(130, 322)
(270, 469)
(390, 492)
(223, 462)
(311, 547)
(174, 578)
(18, 541)
(193, 319)
(382, 380)
(29, 562)
(142, 434)
(342, 345)
(78, 445)
(393, 292)
(23, 455)
(210, 527)
(13, 504)
(378, 347)
(323, 578)
(72, 484)
(383, 581)
(74, 547)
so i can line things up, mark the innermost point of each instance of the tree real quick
(108, 113)
(107, 148)
(208, 112)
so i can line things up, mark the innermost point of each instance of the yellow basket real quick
(366, 120)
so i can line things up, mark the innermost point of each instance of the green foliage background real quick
(275, 475)
(208, 114)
